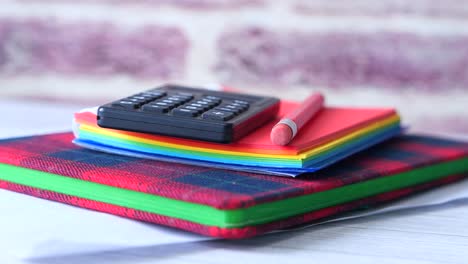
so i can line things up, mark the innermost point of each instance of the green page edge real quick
(207, 215)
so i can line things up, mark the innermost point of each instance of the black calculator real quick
(186, 112)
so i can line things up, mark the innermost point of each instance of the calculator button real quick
(193, 108)
(241, 102)
(141, 98)
(185, 112)
(211, 103)
(138, 101)
(234, 111)
(208, 105)
(241, 106)
(147, 100)
(126, 104)
(202, 102)
(200, 106)
(155, 93)
(218, 115)
(182, 99)
(178, 98)
(231, 108)
(177, 103)
(186, 96)
(155, 108)
(212, 99)
(196, 109)
(162, 104)
(172, 102)
(152, 97)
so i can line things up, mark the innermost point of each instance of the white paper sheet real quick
(34, 228)
(435, 197)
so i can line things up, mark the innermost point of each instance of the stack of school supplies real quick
(343, 159)
(224, 203)
(332, 135)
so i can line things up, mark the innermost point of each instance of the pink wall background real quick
(412, 55)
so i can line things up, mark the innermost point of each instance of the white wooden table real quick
(429, 235)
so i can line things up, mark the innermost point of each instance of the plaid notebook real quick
(224, 203)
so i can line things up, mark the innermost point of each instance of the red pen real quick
(287, 128)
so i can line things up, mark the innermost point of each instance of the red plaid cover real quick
(219, 188)
(230, 233)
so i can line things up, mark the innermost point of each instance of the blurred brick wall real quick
(409, 54)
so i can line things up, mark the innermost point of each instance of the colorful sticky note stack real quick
(334, 134)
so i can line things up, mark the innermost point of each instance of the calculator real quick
(187, 112)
